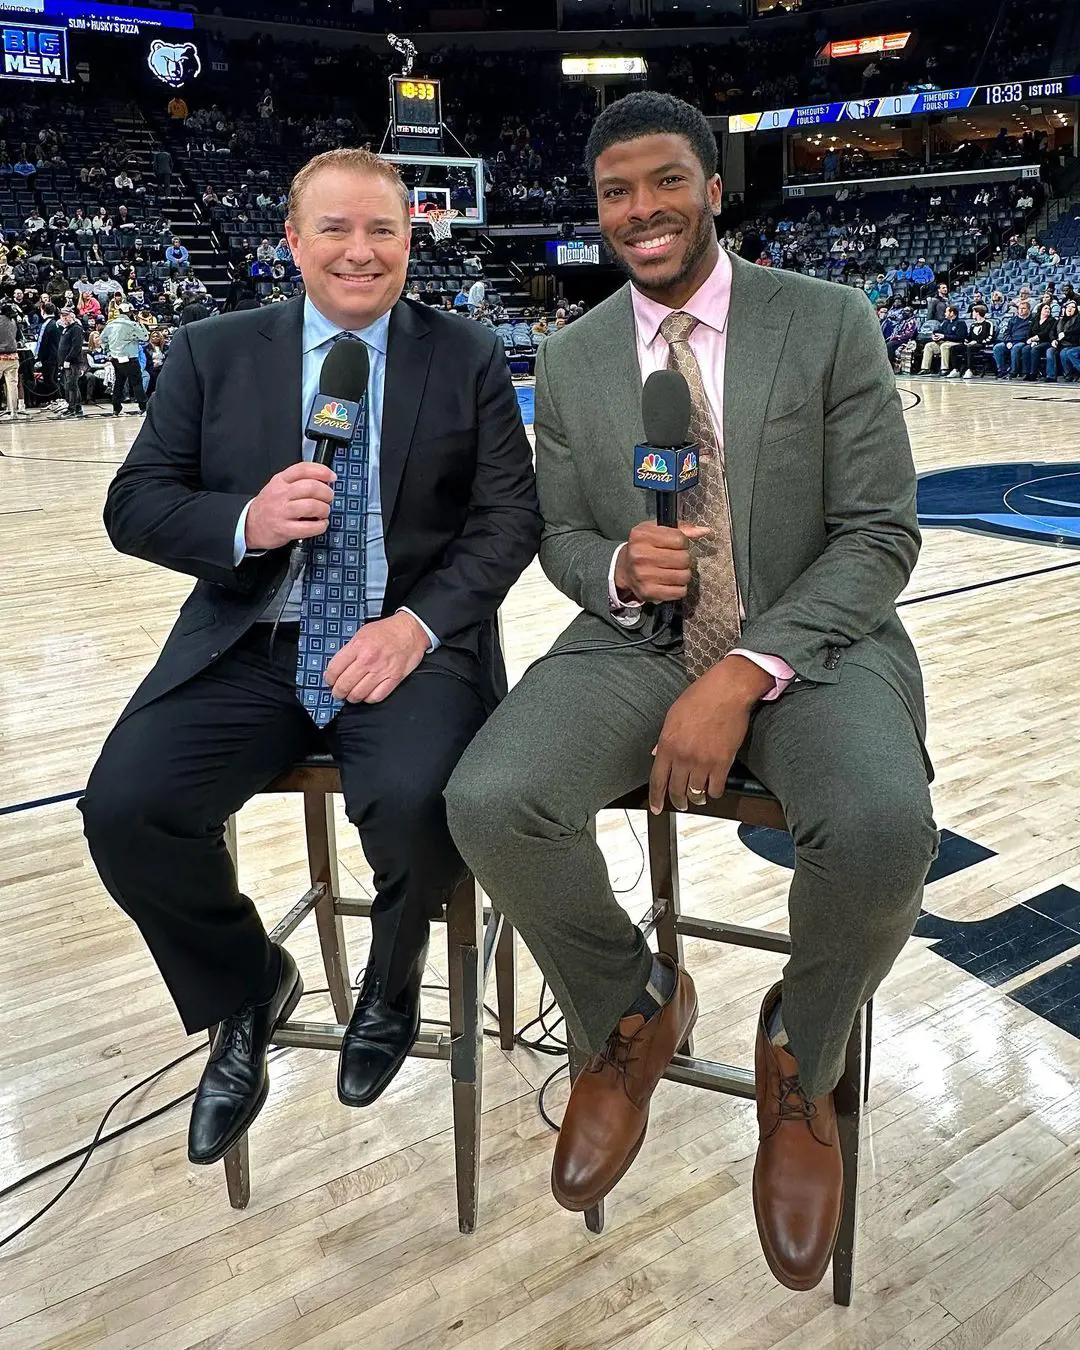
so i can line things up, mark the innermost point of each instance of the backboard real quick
(443, 181)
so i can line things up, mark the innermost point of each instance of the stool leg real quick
(594, 1218)
(664, 879)
(868, 1016)
(323, 870)
(237, 1170)
(506, 984)
(465, 945)
(848, 1098)
(238, 1174)
(230, 839)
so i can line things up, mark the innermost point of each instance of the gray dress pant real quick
(844, 760)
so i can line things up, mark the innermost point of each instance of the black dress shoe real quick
(380, 1034)
(234, 1084)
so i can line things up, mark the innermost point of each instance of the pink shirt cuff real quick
(775, 666)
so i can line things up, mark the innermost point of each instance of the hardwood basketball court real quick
(970, 1205)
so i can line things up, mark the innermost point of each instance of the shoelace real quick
(235, 1033)
(794, 1103)
(618, 1052)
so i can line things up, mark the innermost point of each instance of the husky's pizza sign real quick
(174, 63)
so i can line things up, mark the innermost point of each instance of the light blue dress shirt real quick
(318, 334)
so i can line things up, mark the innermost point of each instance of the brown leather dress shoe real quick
(799, 1174)
(606, 1117)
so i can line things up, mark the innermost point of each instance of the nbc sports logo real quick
(688, 467)
(333, 414)
(653, 469)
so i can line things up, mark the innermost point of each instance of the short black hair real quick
(651, 114)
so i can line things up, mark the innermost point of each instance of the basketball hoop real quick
(442, 223)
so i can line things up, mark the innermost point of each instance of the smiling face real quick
(350, 239)
(657, 215)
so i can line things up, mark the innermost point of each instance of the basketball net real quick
(442, 223)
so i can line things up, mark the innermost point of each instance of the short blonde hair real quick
(346, 157)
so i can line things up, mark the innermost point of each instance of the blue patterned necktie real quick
(334, 597)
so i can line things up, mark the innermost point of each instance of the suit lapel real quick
(408, 358)
(757, 323)
(618, 379)
(279, 374)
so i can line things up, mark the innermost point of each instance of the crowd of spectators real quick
(1031, 335)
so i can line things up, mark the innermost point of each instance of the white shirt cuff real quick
(626, 612)
(240, 548)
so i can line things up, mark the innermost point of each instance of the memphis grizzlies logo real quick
(1036, 502)
(174, 63)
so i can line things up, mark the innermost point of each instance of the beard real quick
(702, 232)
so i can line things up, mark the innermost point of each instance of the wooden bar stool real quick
(473, 937)
(748, 801)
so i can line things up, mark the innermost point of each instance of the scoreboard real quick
(417, 105)
(925, 102)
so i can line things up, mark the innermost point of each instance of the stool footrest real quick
(299, 912)
(711, 1074)
(736, 935)
(328, 1036)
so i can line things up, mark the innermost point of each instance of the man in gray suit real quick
(788, 559)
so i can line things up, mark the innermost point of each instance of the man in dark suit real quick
(438, 480)
(47, 353)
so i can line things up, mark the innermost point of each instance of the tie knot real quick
(677, 327)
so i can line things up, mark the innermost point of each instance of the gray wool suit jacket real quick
(819, 470)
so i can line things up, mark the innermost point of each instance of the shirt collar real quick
(709, 304)
(318, 330)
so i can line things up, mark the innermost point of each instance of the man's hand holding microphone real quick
(707, 724)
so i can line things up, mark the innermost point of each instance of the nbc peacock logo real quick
(334, 415)
(688, 468)
(653, 470)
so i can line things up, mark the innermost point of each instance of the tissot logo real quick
(1039, 502)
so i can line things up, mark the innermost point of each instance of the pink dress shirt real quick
(708, 342)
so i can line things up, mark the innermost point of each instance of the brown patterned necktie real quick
(711, 623)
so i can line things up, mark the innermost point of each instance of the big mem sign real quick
(34, 53)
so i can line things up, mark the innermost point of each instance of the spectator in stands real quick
(978, 345)
(922, 276)
(1043, 331)
(1015, 251)
(122, 340)
(9, 359)
(123, 182)
(998, 307)
(477, 292)
(265, 251)
(89, 307)
(461, 300)
(1064, 353)
(1012, 336)
(1053, 257)
(178, 258)
(905, 332)
(951, 333)
(283, 253)
(177, 109)
(156, 350)
(72, 361)
(937, 305)
(47, 360)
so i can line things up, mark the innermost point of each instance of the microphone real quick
(667, 463)
(335, 411)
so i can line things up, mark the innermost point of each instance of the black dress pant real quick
(171, 774)
(128, 376)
